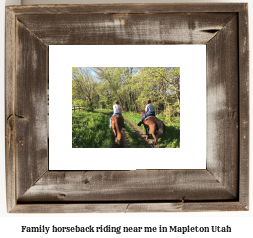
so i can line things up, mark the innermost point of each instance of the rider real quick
(149, 110)
(116, 111)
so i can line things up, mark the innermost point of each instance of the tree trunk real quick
(130, 101)
(167, 109)
(135, 106)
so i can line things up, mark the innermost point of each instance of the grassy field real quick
(169, 140)
(91, 130)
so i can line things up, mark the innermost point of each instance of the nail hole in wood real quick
(183, 199)
(61, 195)
(86, 181)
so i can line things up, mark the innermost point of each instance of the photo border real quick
(191, 130)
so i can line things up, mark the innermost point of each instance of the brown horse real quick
(117, 124)
(155, 125)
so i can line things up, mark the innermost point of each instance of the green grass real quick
(134, 138)
(133, 117)
(104, 110)
(169, 140)
(91, 130)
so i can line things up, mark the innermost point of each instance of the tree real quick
(84, 85)
(132, 86)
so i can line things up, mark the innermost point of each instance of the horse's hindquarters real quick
(117, 127)
(156, 127)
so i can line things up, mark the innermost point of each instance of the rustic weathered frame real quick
(222, 186)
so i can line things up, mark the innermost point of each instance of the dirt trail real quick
(124, 140)
(142, 134)
(124, 143)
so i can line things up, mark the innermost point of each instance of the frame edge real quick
(10, 61)
(244, 105)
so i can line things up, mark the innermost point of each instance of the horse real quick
(117, 124)
(155, 125)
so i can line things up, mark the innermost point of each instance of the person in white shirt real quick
(150, 110)
(116, 111)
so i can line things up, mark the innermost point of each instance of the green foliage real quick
(99, 87)
(104, 110)
(79, 102)
(171, 139)
(89, 109)
(84, 87)
(90, 130)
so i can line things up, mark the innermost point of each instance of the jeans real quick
(145, 115)
(115, 114)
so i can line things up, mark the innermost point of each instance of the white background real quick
(241, 222)
(192, 62)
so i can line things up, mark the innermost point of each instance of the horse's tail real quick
(161, 127)
(118, 131)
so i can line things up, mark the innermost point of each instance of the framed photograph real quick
(220, 182)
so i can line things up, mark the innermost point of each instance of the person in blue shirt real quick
(149, 111)
(116, 111)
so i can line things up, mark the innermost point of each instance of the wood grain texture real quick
(140, 185)
(222, 107)
(244, 106)
(129, 207)
(30, 109)
(186, 207)
(132, 29)
(9, 109)
(129, 8)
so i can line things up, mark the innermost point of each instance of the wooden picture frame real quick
(222, 186)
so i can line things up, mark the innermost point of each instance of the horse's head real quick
(142, 113)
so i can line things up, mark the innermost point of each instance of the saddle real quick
(149, 117)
